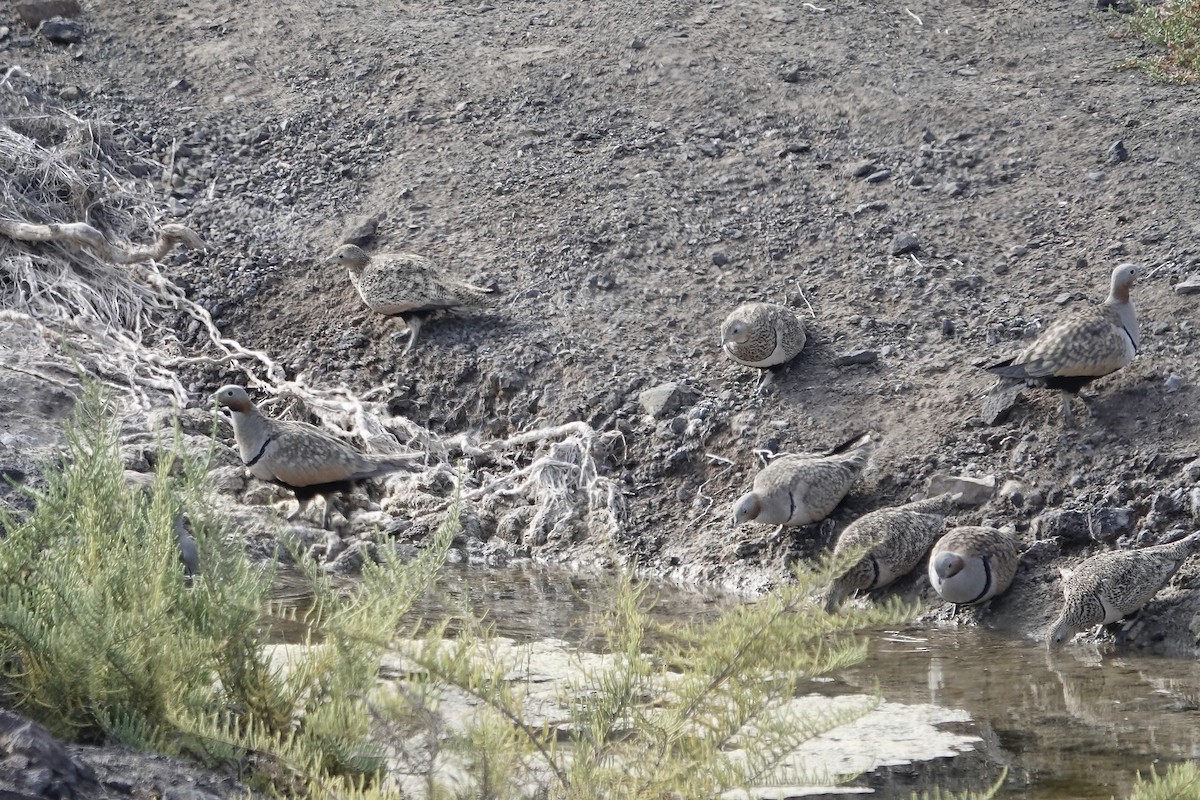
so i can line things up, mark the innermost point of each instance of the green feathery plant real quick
(1179, 782)
(1173, 25)
(103, 639)
(677, 711)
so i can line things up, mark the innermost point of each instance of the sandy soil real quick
(625, 175)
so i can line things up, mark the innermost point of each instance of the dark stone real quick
(1000, 402)
(1117, 152)
(34, 12)
(1094, 525)
(665, 400)
(856, 357)
(361, 230)
(861, 169)
(906, 242)
(61, 30)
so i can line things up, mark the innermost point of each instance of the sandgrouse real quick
(801, 489)
(1110, 586)
(302, 457)
(1089, 343)
(895, 540)
(762, 335)
(973, 564)
(406, 285)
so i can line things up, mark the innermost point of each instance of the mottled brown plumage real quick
(973, 564)
(1110, 586)
(762, 335)
(406, 285)
(302, 457)
(801, 489)
(894, 540)
(1089, 343)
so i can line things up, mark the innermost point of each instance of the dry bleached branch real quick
(67, 212)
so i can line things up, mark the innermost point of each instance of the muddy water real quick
(1068, 725)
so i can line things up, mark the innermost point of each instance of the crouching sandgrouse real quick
(1080, 347)
(406, 285)
(302, 457)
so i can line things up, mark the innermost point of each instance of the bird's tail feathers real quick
(939, 505)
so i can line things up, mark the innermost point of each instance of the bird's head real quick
(1122, 279)
(1060, 633)
(349, 256)
(234, 398)
(735, 330)
(947, 565)
(746, 509)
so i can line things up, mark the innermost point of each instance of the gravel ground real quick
(624, 177)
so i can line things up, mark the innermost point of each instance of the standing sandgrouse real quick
(405, 285)
(1089, 343)
(1110, 586)
(895, 540)
(973, 564)
(302, 457)
(801, 489)
(762, 335)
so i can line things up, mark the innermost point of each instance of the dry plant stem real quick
(80, 234)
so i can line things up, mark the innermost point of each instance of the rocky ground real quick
(624, 177)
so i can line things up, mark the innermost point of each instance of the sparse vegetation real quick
(103, 639)
(1173, 25)
(1178, 782)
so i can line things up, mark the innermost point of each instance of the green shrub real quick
(1173, 25)
(1179, 782)
(103, 639)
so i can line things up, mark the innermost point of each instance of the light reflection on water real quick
(1070, 725)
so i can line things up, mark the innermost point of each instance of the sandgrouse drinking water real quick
(895, 540)
(1110, 586)
(800, 489)
(1089, 343)
(302, 457)
(762, 335)
(973, 564)
(406, 285)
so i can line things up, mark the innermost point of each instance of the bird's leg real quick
(414, 327)
(765, 378)
(1067, 414)
(300, 506)
(328, 498)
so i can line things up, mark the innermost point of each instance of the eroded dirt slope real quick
(626, 174)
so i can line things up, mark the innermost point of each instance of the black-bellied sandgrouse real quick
(406, 285)
(1089, 343)
(894, 539)
(302, 457)
(762, 335)
(1110, 586)
(800, 489)
(973, 564)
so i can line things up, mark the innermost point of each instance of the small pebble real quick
(905, 242)
(856, 357)
(1189, 285)
(861, 169)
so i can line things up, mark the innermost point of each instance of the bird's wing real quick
(306, 456)
(1086, 344)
